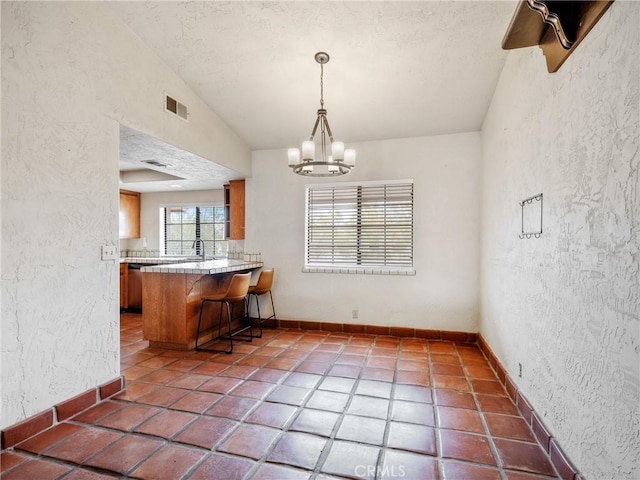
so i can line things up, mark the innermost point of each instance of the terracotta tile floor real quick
(293, 405)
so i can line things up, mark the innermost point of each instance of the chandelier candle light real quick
(337, 162)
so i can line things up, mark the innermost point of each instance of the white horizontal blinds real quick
(332, 226)
(386, 225)
(360, 225)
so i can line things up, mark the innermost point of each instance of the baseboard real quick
(561, 462)
(35, 424)
(349, 328)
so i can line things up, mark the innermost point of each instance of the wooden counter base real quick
(172, 306)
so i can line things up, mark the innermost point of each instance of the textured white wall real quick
(444, 292)
(566, 305)
(70, 73)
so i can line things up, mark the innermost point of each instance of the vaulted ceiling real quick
(397, 69)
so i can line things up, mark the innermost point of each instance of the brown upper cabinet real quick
(129, 214)
(234, 210)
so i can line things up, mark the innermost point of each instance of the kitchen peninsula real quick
(172, 294)
(131, 276)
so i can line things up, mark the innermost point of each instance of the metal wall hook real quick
(538, 231)
(529, 235)
(531, 199)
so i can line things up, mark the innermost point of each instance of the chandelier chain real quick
(321, 85)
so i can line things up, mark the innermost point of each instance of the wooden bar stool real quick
(265, 281)
(236, 292)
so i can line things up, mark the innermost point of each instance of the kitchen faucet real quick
(200, 247)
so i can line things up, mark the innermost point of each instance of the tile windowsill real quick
(361, 270)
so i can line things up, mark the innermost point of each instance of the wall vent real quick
(171, 105)
(155, 163)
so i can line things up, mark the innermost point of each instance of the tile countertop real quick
(158, 260)
(208, 267)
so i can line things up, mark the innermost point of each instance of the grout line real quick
(322, 458)
(436, 416)
(494, 451)
(343, 340)
(387, 429)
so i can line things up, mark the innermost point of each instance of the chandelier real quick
(337, 161)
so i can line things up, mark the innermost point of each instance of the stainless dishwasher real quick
(134, 290)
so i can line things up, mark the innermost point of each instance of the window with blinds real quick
(360, 225)
(182, 225)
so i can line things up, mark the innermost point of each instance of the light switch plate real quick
(109, 252)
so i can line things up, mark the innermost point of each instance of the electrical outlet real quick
(109, 252)
(354, 313)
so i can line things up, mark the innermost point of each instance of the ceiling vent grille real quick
(155, 163)
(171, 105)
